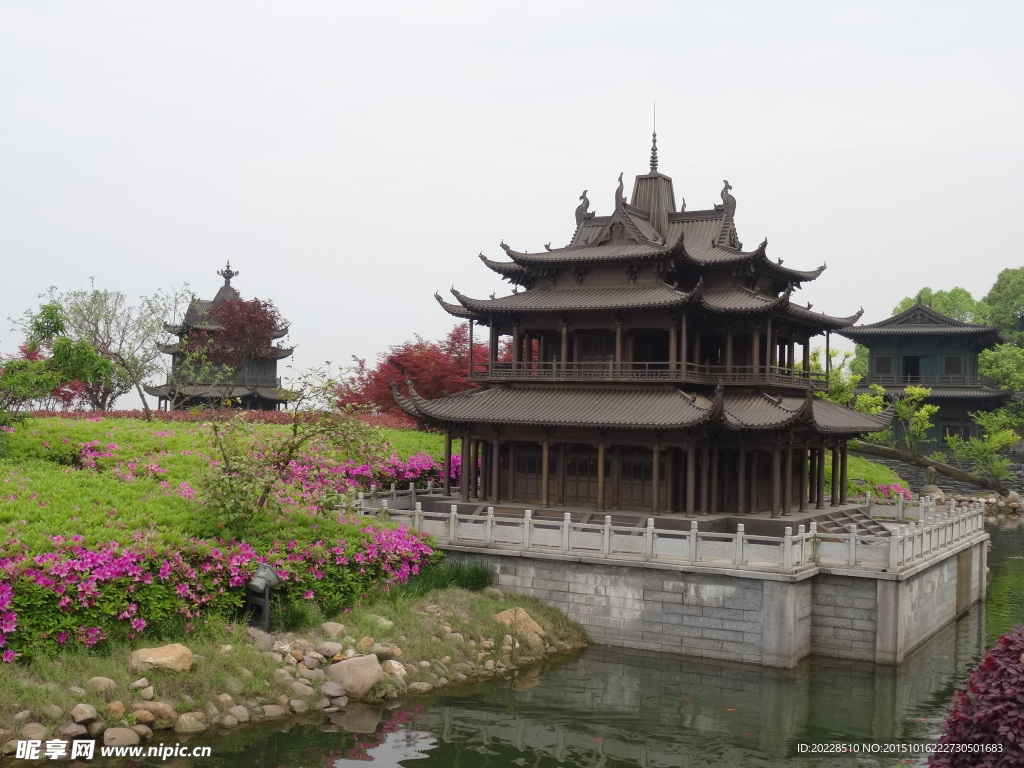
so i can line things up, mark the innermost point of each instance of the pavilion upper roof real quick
(922, 320)
(198, 317)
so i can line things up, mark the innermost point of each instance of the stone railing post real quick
(606, 536)
(417, 513)
(801, 558)
(527, 528)
(489, 526)
(738, 542)
(649, 540)
(453, 524)
(852, 528)
(787, 550)
(566, 522)
(899, 508)
(691, 542)
(894, 551)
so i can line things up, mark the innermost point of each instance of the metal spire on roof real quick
(227, 273)
(654, 141)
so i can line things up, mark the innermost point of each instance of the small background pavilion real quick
(255, 386)
(926, 348)
(656, 366)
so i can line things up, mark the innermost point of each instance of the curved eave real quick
(761, 411)
(952, 393)
(507, 269)
(825, 321)
(833, 418)
(742, 301)
(455, 310)
(776, 269)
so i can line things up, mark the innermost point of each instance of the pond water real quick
(613, 708)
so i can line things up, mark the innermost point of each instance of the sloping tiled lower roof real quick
(204, 390)
(663, 407)
(634, 407)
(557, 299)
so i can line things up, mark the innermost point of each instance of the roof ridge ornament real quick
(582, 211)
(227, 273)
(728, 201)
(619, 199)
(654, 152)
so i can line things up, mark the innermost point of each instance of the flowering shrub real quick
(893, 491)
(69, 592)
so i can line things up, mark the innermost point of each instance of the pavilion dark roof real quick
(568, 298)
(204, 390)
(922, 320)
(631, 407)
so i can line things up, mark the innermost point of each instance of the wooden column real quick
(618, 345)
(545, 495)
(600, 476)
(616, 495)
(467, 472)
(565, 346)
(492, 354)
(682, 340)
(755, 481)
(495, 470)
(803, 479)
(670, 479)
(843, 478)
(715, 466)
(728, 351)
(812, 488)
(777, 480)
(789, 356)
(560, 478)
(757, 353)
(470, 372)
(655, 476)
(516, 344)
(741, 480)
(475, 475)
(787, 485)
(447, 463)
(705, 460)
(771, 347)
(485, 470)
(836, 472)
(673, 347)
(807, 358)
(512, 471)
(691, 477)
(821, 478)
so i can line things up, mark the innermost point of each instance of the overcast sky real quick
(352, 158)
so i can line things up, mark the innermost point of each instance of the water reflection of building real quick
(618, 707)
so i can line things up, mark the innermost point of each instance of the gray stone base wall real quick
(844, 611)
(749, 617)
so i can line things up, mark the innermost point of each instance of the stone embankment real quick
(324, 673)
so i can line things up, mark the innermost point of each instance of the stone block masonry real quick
(763, 618)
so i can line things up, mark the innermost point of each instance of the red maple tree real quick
(434, 368)
(246, 332)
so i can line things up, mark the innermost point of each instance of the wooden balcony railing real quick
(892, 380)
(670, 372)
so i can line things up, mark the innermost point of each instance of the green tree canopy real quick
(1005, 302)
(957, 303)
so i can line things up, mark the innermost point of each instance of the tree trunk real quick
(988, 483)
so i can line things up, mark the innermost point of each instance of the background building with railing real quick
(925, 348)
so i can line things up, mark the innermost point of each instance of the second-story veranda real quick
(654, 332)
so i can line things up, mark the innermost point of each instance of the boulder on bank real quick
(174, 657)
(356, 675)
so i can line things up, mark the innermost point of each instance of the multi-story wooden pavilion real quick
(254, 386)
(655, 366)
